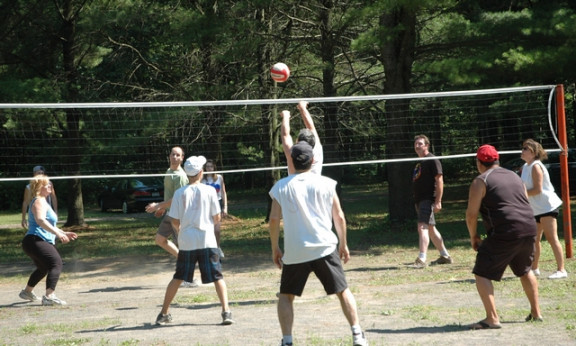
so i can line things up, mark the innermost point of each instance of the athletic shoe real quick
(418, 263)
(163, 319)
(359, 339)
(30, 296)
(187, 284)
(442, 260)
(536, 272)
(227, 318)
(531, 318)
(561, 274)
(282, 343)
(52, 300)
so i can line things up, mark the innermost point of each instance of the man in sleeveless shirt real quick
(499, 195)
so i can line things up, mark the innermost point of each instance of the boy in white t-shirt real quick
(194, 212)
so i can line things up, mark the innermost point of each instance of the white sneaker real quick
(52, 300)
(30, 296)
(359, 339)
(560, 274)
(187, 284)
(536, 272)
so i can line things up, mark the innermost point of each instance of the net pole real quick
(567, 218)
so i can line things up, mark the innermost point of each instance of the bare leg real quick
(424, 237)
(550, 228)
(222, 292)
(537, 246)
(286, 313)
(436, 238)
(349, 308)
(486, 291)
(530, 285)
(167, 245)
(171, 291)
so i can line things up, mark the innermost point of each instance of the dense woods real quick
(134, 50)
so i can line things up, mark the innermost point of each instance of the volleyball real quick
(280, 72)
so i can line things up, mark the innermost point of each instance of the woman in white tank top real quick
(544, 203)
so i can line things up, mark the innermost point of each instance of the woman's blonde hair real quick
(536, 148)
(37, 183)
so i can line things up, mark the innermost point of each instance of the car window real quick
(145, 182)
(137, 183)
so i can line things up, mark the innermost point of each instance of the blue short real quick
(328, 269)
(208, 262)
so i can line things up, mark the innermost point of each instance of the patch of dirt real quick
(116, 301)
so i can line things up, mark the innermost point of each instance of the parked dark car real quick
(553, 166)
(132, 194)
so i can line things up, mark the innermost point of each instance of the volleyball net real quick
(96, 140)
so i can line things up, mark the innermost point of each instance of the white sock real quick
(444, 253)
(286, 339)
(422, 256)
(356, 329)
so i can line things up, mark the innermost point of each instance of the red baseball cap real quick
(487, 153)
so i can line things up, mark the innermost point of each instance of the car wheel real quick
(102, 206)
(125, 208)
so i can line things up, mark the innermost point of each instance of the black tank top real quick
(505, 209)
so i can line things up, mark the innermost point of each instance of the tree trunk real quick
(397, 56)
(327, 52)
(72, 134)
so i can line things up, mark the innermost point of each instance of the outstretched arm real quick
(287, 142)
(307, 118)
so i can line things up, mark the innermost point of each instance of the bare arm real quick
(287, 141)
(439, 191)
(224, 197)
(25, 202)
(340, 225)
(475, 196)
(274, 226)
(175, 224)
(54, 200)
(537, 181)
(307, 119)
(159, 208)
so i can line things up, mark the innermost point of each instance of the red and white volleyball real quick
(280, 72)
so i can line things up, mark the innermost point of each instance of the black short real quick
(328, 269)
(553, 213)
(495, 255)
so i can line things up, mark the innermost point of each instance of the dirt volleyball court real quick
(115, 302)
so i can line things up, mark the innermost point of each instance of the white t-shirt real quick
(318, 152)
(195, 205)
(546, 201)
(306, 200)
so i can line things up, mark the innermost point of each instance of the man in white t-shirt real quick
(307, 134)
(194, 212)
(308, 203)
